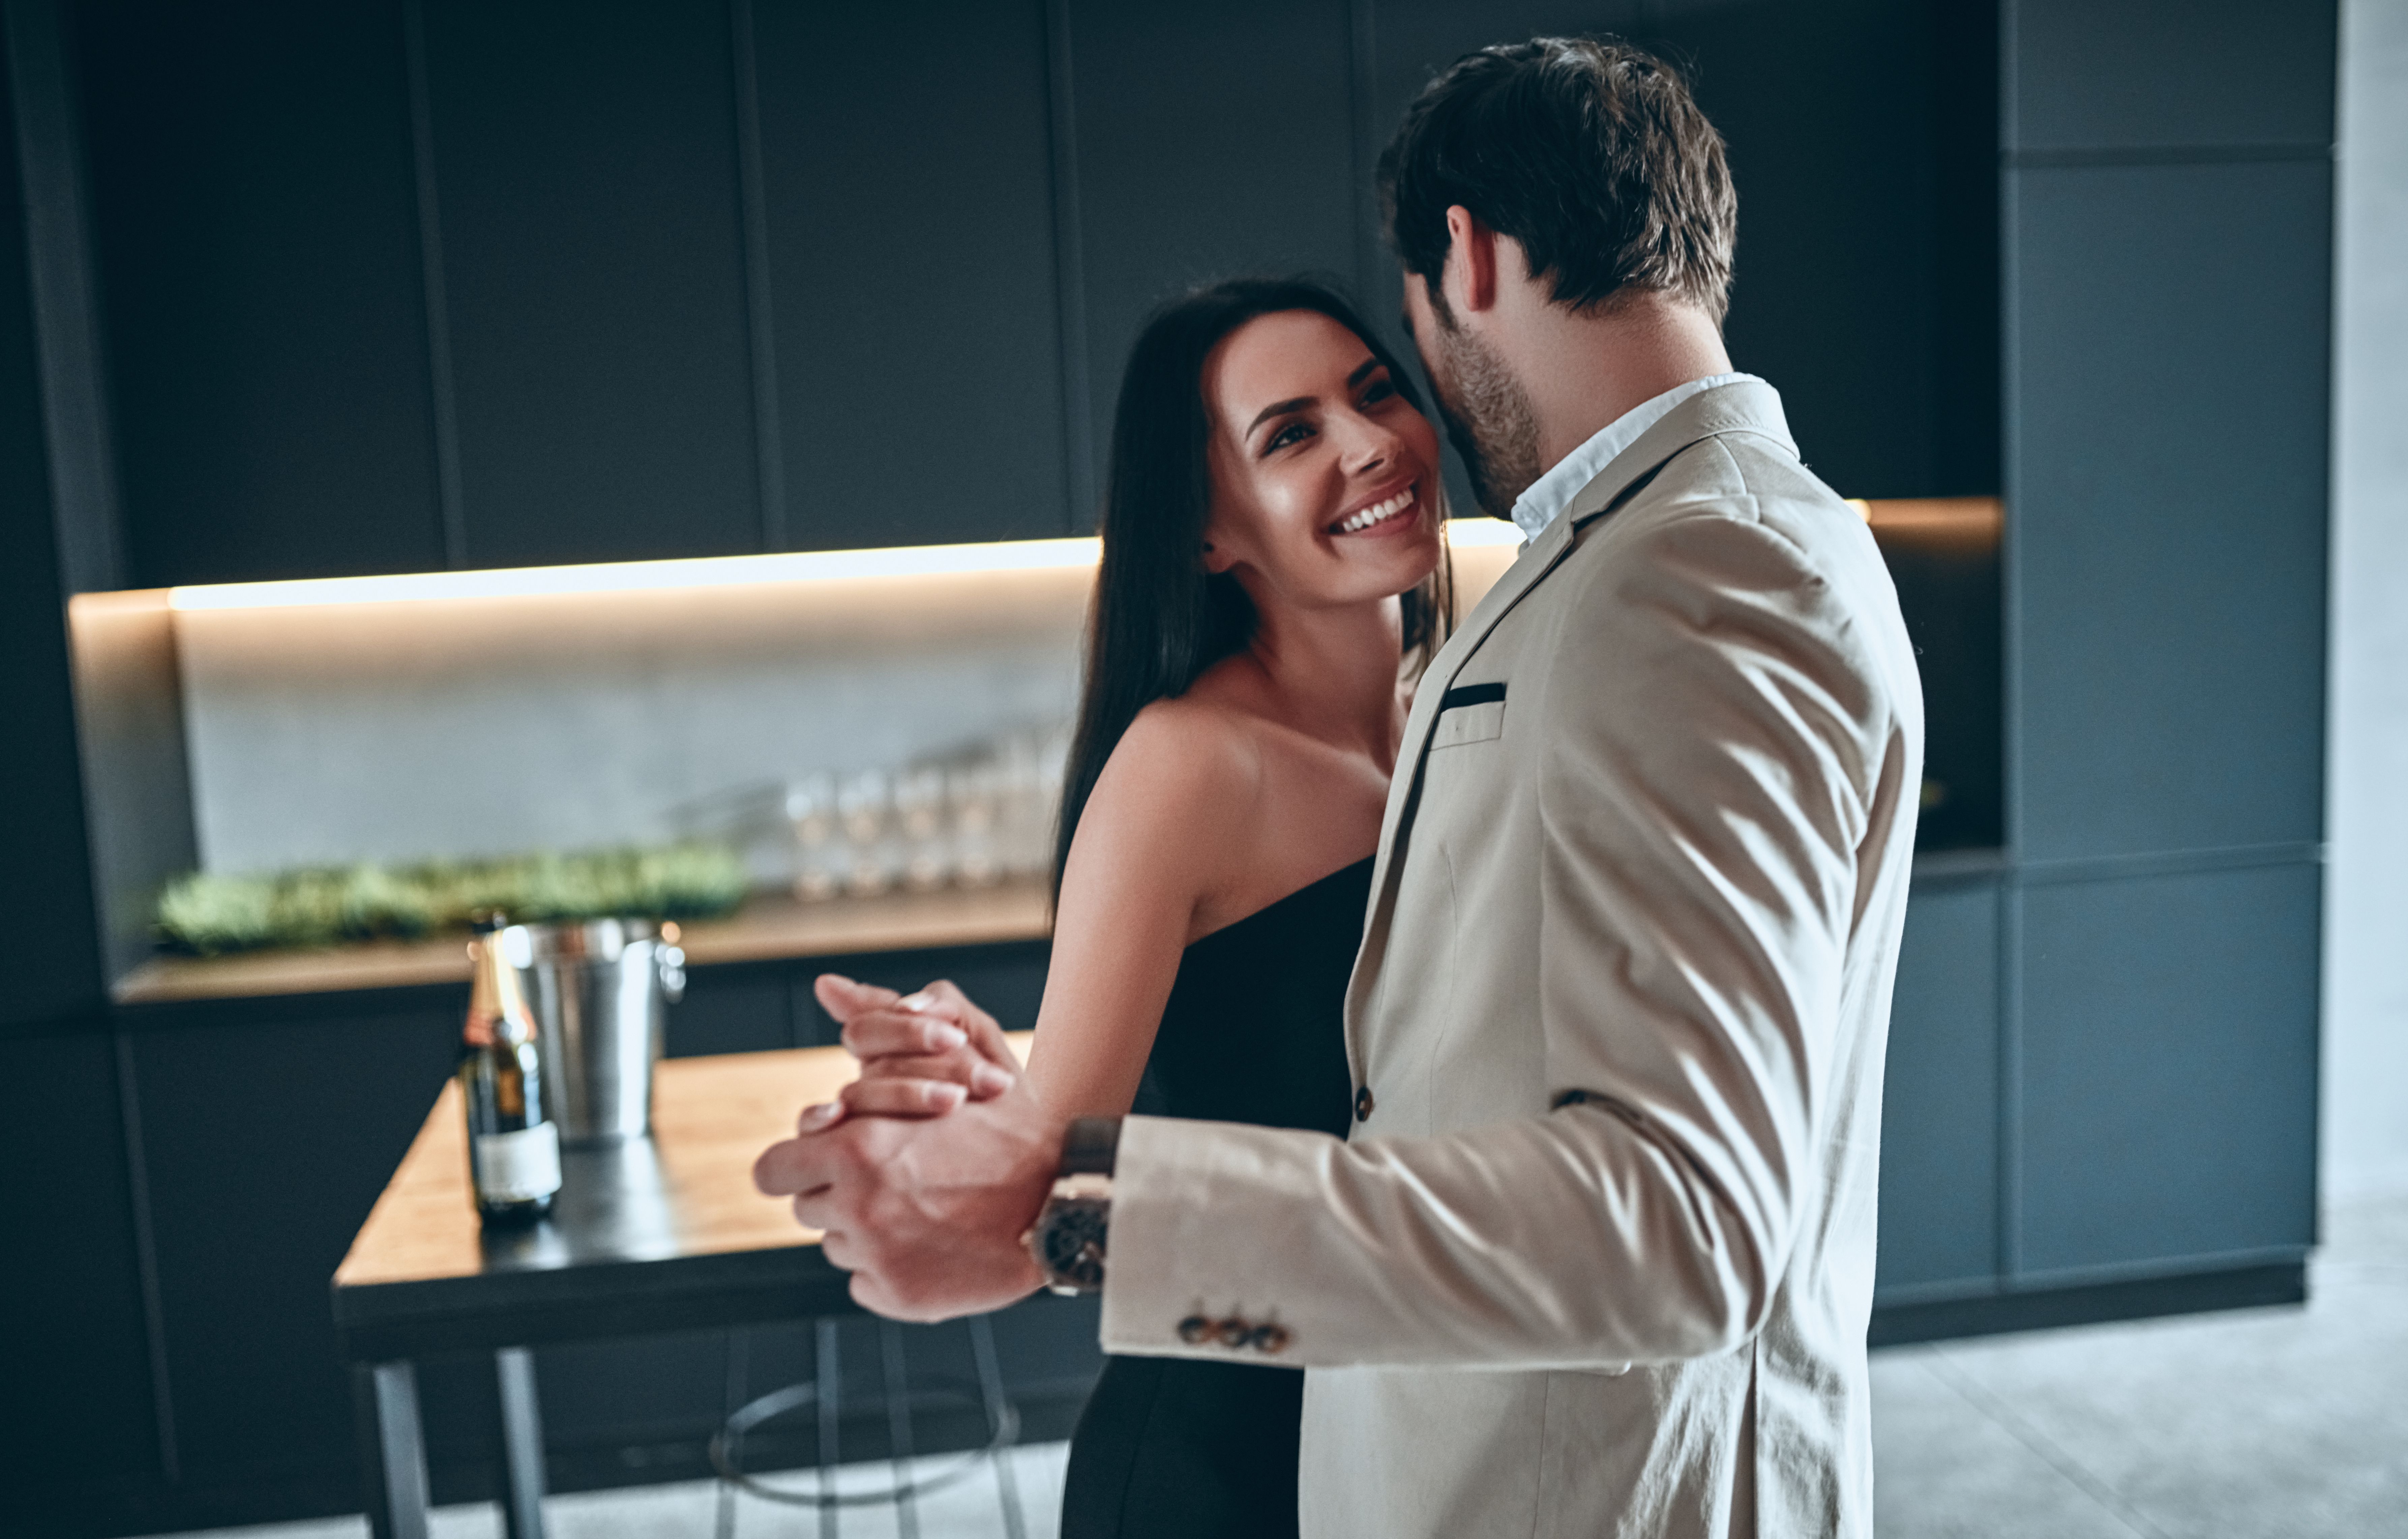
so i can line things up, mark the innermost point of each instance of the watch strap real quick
(1091, 1146)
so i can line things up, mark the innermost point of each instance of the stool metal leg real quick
(831, 1383)
(522, 1444)
(740, 1348)
(990, 1376)
(898, 1426)
(393, 1449)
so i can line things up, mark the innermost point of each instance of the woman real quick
(1274, 577)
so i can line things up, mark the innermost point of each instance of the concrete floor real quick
(2258, 1424)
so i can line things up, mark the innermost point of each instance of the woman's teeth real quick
(1376, 512)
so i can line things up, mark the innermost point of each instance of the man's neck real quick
(1582, 372)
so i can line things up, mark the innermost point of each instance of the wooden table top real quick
(654, 1234)
(769, 928)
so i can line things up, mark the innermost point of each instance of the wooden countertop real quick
(768, 928)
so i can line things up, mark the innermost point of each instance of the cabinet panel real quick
(256, 233)
(2130, 74)
(265, 1143)
(1940, 1100)
(586, 161)
(743, 1009)
(74, 1355)
(1211, 143)
(2166, 538)
(911, 225)
(2169, 1066)
(1844, 119)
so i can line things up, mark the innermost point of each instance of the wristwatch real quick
(1070, 1234)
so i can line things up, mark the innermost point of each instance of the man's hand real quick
(925, 1210)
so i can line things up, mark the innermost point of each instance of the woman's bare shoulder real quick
(1181, 760)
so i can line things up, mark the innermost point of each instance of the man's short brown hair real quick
(1589, 153)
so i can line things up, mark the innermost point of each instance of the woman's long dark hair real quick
(1159, 619)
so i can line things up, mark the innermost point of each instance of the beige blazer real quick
(1598, 1256)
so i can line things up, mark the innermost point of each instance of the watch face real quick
(1070, 1240)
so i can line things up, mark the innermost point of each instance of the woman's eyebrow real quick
(1279, 408)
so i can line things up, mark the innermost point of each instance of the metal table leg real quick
(898, 1426)
(990, 1378)
(831, 1386)
(393, 1450)
(522, 1445)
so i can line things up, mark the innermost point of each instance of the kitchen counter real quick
(769, 928)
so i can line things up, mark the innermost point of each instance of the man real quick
(1597, 1255)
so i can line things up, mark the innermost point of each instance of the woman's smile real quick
(1391, 513)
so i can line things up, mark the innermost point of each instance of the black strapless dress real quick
(1168, 1448)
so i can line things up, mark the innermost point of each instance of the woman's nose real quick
(1370, 446)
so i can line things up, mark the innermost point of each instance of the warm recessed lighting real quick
(640, 576)
(1013, 555)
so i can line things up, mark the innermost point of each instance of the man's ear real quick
(1470, 277)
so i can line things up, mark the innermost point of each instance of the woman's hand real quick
(921, 1055)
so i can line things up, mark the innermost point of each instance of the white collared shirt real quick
(1547, 497)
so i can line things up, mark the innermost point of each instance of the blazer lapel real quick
(1745, 406)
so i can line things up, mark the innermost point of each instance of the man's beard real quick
(1489, 418)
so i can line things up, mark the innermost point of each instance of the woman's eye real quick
(1378, 393)
(1292, 432)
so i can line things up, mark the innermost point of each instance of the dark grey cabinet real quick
(267, 1133)
(2091, 80)
(1211, 143)
(1940, 1096)
(2169, 1055)
(906, 179)
(593, 258)
(82, 1416)
(2169, 511)
(256, 237)
(2166, 215)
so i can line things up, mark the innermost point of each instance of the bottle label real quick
(518, 1167)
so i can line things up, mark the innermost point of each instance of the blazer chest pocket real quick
(1470, 713)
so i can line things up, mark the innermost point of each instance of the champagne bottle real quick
(513, 1141)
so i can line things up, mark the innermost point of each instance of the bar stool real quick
(900, 1396)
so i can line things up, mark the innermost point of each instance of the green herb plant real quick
(211, 914)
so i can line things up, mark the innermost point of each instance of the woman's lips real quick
(1391, 514)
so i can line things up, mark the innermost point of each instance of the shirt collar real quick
(1547, 496)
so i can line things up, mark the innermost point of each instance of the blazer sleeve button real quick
(1271, 1338)
(1363, 1104)
(1196, 1330)
(1234, 1331)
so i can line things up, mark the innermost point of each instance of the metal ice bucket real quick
(600, 993)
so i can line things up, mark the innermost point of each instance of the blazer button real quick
(1196, 1329)
(1363, 1104)
(1270, 1338)
(1235, 1331)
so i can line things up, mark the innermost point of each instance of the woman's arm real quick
(1162, 829)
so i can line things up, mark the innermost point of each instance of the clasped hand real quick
(925, 1173)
